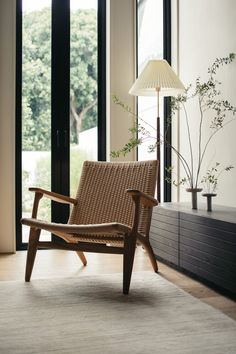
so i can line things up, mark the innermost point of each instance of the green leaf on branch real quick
(128, 147)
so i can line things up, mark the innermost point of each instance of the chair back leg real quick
(31, 253)
(151, 255)
(82, 257)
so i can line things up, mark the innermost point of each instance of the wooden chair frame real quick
(129, 235)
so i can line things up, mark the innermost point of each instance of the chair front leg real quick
(128, 260)
(130, 246)
(31, 253)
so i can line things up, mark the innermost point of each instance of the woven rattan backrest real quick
(102, 193)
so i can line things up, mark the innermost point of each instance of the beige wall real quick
(202, 31)
(7, 130)
(122, 71)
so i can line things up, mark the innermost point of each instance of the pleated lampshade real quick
(157, 74)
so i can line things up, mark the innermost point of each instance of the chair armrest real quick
(145, 199)
(105, 228)
(54, 196)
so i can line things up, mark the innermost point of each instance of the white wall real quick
(7, 129)
(202, 31)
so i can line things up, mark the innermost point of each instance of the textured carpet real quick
(89, 314)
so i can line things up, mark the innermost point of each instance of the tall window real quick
(59, 105)
(36, 106)
(83, 86)
(152, 40)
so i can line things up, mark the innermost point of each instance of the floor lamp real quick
(157, 79)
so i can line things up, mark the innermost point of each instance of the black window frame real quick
(167, 100)
(60, 104)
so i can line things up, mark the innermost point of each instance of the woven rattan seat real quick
(110, 213)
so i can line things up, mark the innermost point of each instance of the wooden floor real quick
(55, 263)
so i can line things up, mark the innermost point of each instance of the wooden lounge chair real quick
(110, 214)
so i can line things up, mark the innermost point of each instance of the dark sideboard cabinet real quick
(200, 242)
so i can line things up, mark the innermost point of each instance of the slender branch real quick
(199, 141)
(180, 156)
(182, 159)
(183, 162)
(128, 110)
(212, 135)
(189, 139)
(139, 118)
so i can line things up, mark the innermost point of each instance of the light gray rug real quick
(89, 314)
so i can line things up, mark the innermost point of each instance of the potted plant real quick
(209, 100)
(210, 182)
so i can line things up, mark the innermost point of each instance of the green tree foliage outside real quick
(42, 179)
(36, 77)
(36, 98)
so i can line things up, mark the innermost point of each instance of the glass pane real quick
(83, 89)
(36, 107)
(150, 46)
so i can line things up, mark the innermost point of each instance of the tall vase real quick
(194, 192)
